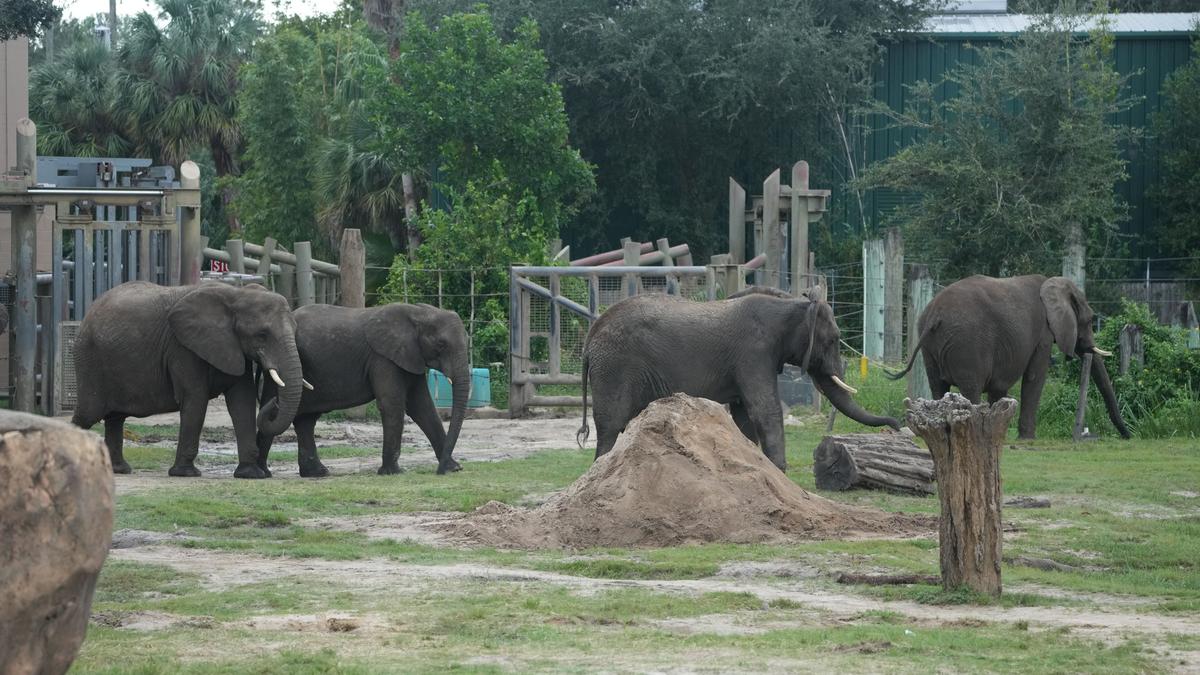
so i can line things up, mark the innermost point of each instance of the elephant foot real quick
(449, 467)
(265, 469)
(317, 470)
(390, 469)
(184, 471)
(250, 471)
(122, 467)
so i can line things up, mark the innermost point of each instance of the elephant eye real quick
(262, 335)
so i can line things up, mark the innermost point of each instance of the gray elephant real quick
(145, 349)
(983, 334)
(729, 351)
(353, 356)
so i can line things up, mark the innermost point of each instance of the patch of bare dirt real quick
(681, 473)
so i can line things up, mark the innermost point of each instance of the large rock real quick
(56, 519)
(681, 473)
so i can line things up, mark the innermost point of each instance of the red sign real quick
(218, 266)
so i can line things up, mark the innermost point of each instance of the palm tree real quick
(178, 83)
(72, 100)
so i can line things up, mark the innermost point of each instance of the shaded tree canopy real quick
(26, 17)
(1023, 157)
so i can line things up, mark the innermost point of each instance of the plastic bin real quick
(442, 391)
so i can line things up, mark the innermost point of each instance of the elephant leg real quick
(742, 419)
(264, 441)
(972, 392)
(392, 395)
(306, 446)
(240, 401)
(191, 422)
(423, 411)
(1032, 382)
(114, 438)
(766, 414)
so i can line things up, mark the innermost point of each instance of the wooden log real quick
(878, 461)
(965, 442)
(873, 298)
(305, 288)
(885, 579)
(352, 262)
(737, 221)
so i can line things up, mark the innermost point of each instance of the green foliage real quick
(1177, 127)
(1160, 399)
(1022, 159)
(466, 251)
(75, 104)
(481, 110)
(25, 17)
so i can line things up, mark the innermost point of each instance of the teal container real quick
(442, 392)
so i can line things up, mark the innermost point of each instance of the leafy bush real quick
(1158, 399)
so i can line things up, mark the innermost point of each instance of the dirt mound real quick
(681, 473)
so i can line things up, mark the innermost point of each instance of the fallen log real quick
(878, 461)
(886, 579)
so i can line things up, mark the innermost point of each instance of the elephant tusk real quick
(307, 384)
(1101, 352)
(275, 376)
(838, 381)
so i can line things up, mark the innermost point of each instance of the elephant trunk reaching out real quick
(274, 419)
(460, 375)
(840, 398)
(1104, 383)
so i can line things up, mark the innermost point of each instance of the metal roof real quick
(999, 24)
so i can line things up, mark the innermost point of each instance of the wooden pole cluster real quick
(965, 441)
(778, 219)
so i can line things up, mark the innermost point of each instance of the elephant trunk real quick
(276, 416)
(1104, 383)
(840, 398)
(460, 390)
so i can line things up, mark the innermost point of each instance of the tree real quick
(667, 98)
(74, 102)
(1177, 128)
(25, 17)
(473, 105)
(179, 82)
(1022, 160)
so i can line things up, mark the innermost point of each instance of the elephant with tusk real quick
(983, 334)
(728, 351)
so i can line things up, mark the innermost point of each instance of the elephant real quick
(729, 351)
(353, 356)
(982, 334)
(145, 349)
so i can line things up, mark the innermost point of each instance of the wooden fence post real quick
(304, 274)
(23, 361)
(237, 255)
(264, 262)
(633, 255)
(1130, 347)
(893, 296)
(737, 222)
(352, 263)
(771, 231)
(965, 442)
(920, 294)
(873, 298)
(1081, 406)
(191, 255)
(798, 233)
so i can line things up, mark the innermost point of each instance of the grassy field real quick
(250, 583)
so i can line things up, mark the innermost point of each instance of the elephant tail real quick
(916, 350)
(581, 436)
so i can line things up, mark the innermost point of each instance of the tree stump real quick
(965, 442)
(877, 461)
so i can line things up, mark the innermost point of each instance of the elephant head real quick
(1069, 319)
(417, 337)
(227, 327)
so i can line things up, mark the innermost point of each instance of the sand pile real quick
(681, 473)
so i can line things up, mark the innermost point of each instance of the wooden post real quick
(633, 254)
(1130, 347)
(800, 268)
(873, 295)
(664, 247)
(893, 296)
(287, 282)
(1075, 257)
(920, 294)
(191, 256)
(737, 221)
(771, 230)
(23, 360)
(304, 274)
(1081, 406)
(352, 262)
(237, 255)
(264, 262)
(965, 442)
(518, 354)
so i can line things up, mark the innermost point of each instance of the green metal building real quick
(1148, 48)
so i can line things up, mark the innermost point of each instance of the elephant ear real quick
(202, 321)
(394, 332)
(1057, 296)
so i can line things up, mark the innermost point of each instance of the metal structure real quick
(145, 239)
